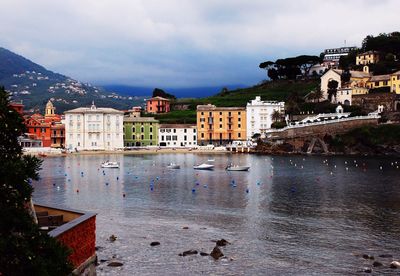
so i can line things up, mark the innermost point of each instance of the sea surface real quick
(290, 215)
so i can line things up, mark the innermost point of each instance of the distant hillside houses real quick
(358, 83)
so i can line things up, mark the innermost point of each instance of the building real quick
(259, 115)
(395, 82)
(370, 57)
(332, 56)
(140, 131)
(177, 135)
(18, 106)
(57, 134)
(344, 96)
(94, 128)
(157, 105)
(379, 81)
(41, 127)
(220, 125)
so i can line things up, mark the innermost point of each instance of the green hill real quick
(34, 85)
(270, 91)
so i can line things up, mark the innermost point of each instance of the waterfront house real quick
(48, 128)
(157, 105)
(140, 131)
(177, 135)
(92, 128)
(220, 125)
(259, 115)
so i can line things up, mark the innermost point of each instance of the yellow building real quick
(379, 81)
(370, 57)
(395, 82)
(220, 125)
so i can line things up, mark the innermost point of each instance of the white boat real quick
(203, 166)
(211, 160)
(109, 164)
(237, 168)
(173, 166)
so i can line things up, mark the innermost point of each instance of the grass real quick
(271, 91)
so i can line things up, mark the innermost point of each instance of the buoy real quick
(54, 184)
(123, 195)
(205, 186)
(151, 188)
(193, 190)
(117, 178)
(77, 190)
(107, 183)
(247, 191)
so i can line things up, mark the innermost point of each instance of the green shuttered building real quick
(140, 131)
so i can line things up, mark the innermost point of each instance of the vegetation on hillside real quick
(24, 250)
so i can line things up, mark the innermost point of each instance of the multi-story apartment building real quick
(220, 125)
(259, 115)
(177, 135)
(157, 105)
(94, 128)
(140, 131)
(332, 56)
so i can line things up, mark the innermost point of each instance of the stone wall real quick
(322, 129)
(371, 101)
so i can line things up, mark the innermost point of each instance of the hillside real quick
(34, 85)
(270, 91)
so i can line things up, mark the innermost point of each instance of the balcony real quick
(76, 230)
(57, 136)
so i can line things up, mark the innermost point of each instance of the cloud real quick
(183, 42)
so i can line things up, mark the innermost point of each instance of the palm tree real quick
(276, 116)
(318, 94)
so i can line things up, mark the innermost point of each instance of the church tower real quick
(50, 109)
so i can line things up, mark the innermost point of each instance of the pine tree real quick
(24, 249)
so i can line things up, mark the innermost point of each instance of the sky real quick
(183, 43)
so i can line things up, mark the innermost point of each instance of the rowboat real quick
(173, 166)
(237, 168)
(109, 164)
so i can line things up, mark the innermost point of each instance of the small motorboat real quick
(211, 160)
(173, 166)
(109, 164)
(237, 168)
(203, 166)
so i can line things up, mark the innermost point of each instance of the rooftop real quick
(380, 78)
(177, 126)
(211, 107)
(140, 119)
(159, 99)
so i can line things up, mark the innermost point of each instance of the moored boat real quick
(110, 164)
(173, 166)
(237, 168)
(203, 166)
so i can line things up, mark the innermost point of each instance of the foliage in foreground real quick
(23, 249)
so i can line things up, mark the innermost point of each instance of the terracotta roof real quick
(211, 107)
(159, 99)
(360, 74)
(96, 110)
(380, 78)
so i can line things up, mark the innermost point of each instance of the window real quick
(162, 138)
(151, 129)
(133, 129)
(185, 130)
(238, 125)
(239, 119)
(202, 126)
(194, 137)
(220, 119)
(239, 134)
(194, 130)
(239, 113)
(202, 135)
(142, 129)
(151, 137)
(174, 130)
(220, 113)
(133, 136)
(168, 138)
(97, 117)
(185, 138)
(174, 138)
(142, 137)
(202, 119)
(220, 126)
(202, 113)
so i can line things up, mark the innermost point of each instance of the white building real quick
(177, 135)
(94, 128)
(259, 115)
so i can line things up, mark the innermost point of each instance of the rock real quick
(216, 253)
(204, 254)
(154, 243)
(222, 242)
(386, 256)
(376, 264)
(185, 227)
(115, 264)
(112, 238)
(188, 252)
(366, 256)
(395, 264)
(367, 270)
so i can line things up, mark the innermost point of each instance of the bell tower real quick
(50, 109)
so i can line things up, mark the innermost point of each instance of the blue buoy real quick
(117, 178)
(247, 191)
(151, 188)
(65, 174)
(197, 183)
(193, 190)
(107, 183)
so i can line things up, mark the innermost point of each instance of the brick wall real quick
(81, 239)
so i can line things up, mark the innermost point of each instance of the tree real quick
(318, 95)
(345, 76)
(332, 89)
(157, 92)
(24, 250)
(272, 73)
(276, 116)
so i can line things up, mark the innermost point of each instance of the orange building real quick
(220, 125)
(157, 105)
(47, 128)
(18, 106)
